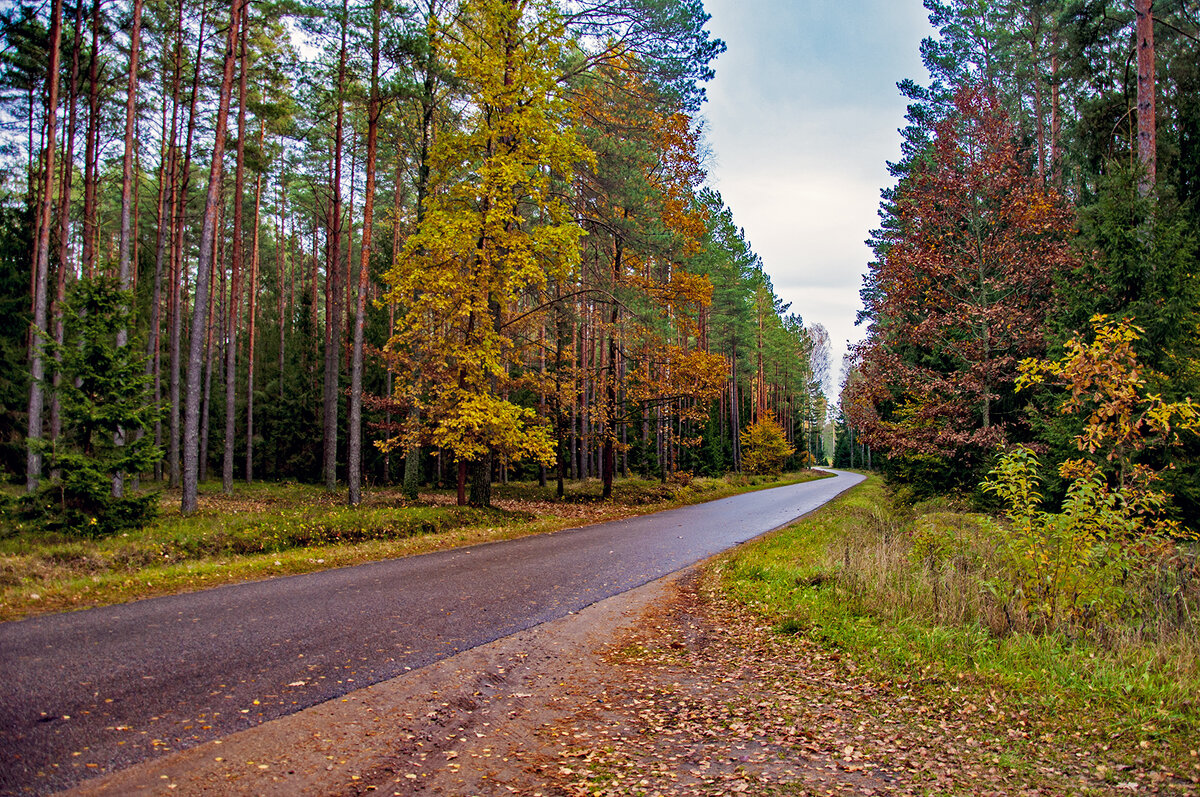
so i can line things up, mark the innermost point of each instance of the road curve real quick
(94, 691)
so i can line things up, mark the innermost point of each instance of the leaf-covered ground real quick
(670, 689)
(704, 700)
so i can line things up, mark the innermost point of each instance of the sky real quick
(801, 120)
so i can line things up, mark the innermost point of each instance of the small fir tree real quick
(103, 390)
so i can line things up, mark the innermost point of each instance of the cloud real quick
(801, 120)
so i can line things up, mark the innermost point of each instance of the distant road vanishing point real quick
(91, 692)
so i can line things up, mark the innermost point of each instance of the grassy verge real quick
(899, 591)
(270, 529)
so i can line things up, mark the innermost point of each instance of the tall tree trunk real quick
(166, 198)
(215, 311)
(356, 368)
(41, 265)
(191, 427)
(559, 434)
(397, 238)
(412, 456)
(542, 392)
(332, 295)
(608, 465)
(91, 149)
(734, 414)
(250, 329)
(347, 264)
(1035, 19)
(313, 283)
(1055, 114)
(64, 222)
(178, 271)
(125, 273)
(1147, 140)
(235, 276)
(283, 307)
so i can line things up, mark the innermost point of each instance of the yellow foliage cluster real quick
(765, 447)
(1104, 379)
(478, 251)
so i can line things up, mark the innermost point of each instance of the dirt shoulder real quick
(470, 724)
(665, 690)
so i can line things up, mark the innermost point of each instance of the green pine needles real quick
(107, 420)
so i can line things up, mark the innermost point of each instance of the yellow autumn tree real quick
(494, 231)
(765, 447)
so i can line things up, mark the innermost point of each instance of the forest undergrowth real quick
(915, 593)
(273, 529)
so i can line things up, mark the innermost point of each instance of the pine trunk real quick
(179, 271)
(125, 275)
(332, 288)
(41, 265)
(216, 310)
(252, 295)
(91, 149)
(64, 221)
(191, 426)
(356, 367)
(166, 208)
(1147, 139)
(233, 309)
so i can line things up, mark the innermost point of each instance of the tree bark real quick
(608, 466)
(41, 265)
(64, 221)
(91, 149)
(235, 276)
(191, 429)
(282, 305)
(1147, 139)
(356, 368)
(1055, 115)
(333, 262)
(412, 456)
(178, 272)
(125, 272)
(252, 296)
(166, 198)
(215, 311)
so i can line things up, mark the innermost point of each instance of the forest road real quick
(90, 692)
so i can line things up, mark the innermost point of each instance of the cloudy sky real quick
(801, 120)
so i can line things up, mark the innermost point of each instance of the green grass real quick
(271, 529)
(822, 578)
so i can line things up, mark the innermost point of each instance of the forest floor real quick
(680, 688)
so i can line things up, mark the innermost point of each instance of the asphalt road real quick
(94, 691)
